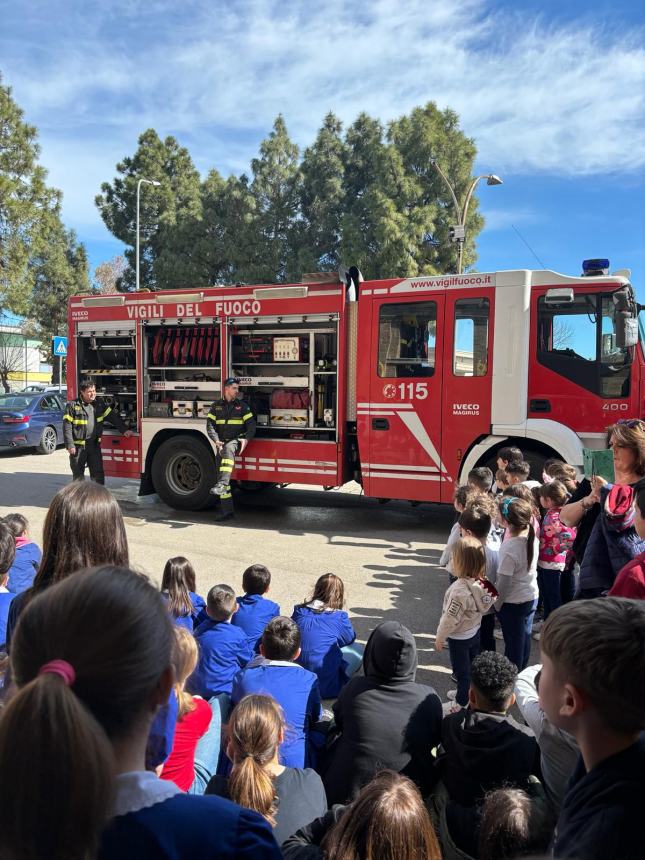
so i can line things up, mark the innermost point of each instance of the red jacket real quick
(630, 581)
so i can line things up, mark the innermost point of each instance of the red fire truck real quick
(403, 385)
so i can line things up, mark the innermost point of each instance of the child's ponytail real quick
(255, 730)
(54, 804)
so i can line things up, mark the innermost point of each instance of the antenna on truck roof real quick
(528, 246)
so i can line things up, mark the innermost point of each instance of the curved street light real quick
(139, 184)
(462, 214)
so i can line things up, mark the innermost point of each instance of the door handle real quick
(116, 441)
(380, 424)
(539, 406)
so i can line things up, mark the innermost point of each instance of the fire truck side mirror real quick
(351, 277)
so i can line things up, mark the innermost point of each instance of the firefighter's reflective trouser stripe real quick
(225, 463)
(88, 453)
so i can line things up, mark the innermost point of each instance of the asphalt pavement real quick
(386, 554)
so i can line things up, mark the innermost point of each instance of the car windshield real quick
(16, 401)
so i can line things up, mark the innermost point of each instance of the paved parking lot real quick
(385, 554)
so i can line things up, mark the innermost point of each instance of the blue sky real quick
(553, 94)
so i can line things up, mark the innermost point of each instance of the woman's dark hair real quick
(57, 737)
(387, 821)
(177, 579)
(519, 515)
(556, 492)
(255, 728)
(18, 524)
(83, 528)
(513, 825)
(329, 589)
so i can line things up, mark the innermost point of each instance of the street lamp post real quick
(459, 232)
(139, 184)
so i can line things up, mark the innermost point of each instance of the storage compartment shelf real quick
(211, 369)
(273, 363)
(111, 372)
(273, 381)
(184, 385)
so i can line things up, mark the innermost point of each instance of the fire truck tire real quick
(183, 471)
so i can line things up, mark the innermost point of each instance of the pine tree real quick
(25, 202)
(162, 209)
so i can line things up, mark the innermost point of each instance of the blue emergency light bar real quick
(595, 267)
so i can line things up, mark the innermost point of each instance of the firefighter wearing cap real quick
(230, 425)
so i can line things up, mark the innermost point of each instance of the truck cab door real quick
(402, 418)
(467, 378)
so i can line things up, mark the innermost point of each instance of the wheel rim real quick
(183, 473)
(49, 439)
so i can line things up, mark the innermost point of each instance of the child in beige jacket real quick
(464, 604)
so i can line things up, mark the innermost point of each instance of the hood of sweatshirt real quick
(483, 592)
(390, 654)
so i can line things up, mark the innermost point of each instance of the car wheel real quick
(183, 471)
(48, 441)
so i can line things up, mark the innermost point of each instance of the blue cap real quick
(231, 380)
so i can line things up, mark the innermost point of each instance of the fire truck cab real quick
(404, 387)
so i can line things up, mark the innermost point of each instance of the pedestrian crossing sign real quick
(60, 346)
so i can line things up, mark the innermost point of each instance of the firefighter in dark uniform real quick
(231, 426)
(82, 428)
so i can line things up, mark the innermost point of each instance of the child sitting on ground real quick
(193, 719)
(592, 685)
(287, 797)
(556, 541)
(480, 479)
(254, 609)
(464, 604)
(484, 748)
(186, 608)
(276, 673)
(223, 649)
(463, 495)
(28, 555)
(514, 824)
(7, 555)
(326, 634)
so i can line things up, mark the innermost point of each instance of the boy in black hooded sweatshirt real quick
(385, 719)
(593, 686)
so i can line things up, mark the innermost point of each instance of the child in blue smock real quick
(7, 554)
(28, 555)
(178, 585)
(326, 634)
(223, 649)
(254, 609)
(275, 673)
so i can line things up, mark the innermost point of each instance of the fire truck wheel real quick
(183, 472)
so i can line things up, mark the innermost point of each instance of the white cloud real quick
(564, 100)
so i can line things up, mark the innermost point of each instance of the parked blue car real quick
(29, 420)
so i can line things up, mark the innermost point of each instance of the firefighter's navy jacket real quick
(229, 420)
(75, 421)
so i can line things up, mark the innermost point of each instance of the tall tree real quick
(276, 190)
(59, 274)
(427, 134)
(25, 201)
(322, 199)
(162, 209)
